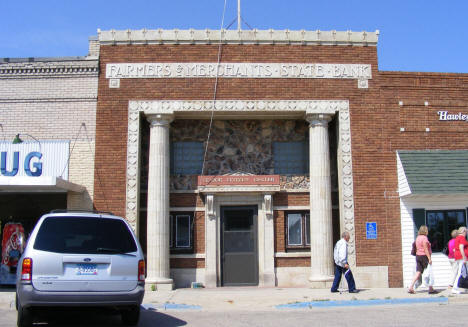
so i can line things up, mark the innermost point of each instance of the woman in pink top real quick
(451, 257)
(461, 256)
(423, 257)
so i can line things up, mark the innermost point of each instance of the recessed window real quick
(187, 158)
(441, 223)
(181, 229)
(298, 230)
(291, 158)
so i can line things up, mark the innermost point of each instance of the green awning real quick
(436, 171)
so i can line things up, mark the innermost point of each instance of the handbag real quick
(463, 280)
(413, 249)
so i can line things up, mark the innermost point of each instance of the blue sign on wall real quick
(30, 168)
(48, 158)
(371, 231)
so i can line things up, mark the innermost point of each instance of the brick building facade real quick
(168, 78)
(241, 162)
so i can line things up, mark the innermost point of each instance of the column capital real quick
(318, 119)
(159, 119)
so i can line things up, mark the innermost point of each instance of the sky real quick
(415, 35)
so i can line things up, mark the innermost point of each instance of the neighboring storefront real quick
(47, 135)
(433, 186)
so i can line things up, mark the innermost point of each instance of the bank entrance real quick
(239, 251)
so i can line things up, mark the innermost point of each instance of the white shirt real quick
(340, 253)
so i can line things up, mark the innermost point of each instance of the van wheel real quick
(131, 315)
(24, 316)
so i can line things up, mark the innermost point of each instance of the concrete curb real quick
(353, 303)
(170, 306)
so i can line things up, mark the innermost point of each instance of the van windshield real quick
(84, 235)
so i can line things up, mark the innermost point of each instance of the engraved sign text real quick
(238, 70)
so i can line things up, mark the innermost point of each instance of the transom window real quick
(291, 158)
(298, 230)
(181, 229)
(441, 223)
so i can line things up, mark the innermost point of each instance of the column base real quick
(211, 280)
(321, 281)
(321, 285)
(268, 280)
(160, 284)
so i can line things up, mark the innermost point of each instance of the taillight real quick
(141, 270)
(26, 269)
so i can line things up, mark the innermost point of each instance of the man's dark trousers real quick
(348, 275)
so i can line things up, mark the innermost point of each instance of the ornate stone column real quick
(321, 237)
(158, 271)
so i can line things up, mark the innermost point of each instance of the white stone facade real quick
(268, 276)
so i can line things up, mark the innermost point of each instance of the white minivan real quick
(82, 259)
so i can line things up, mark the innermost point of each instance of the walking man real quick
(340, 255)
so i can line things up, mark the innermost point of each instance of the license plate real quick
(86, 269)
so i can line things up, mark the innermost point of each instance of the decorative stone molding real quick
(345, 177)
(191, 36)
(268, 202)
(254, 108)
(17, 69)
(210, 209)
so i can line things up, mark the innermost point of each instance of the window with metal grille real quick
(291, 158)
(186, 158)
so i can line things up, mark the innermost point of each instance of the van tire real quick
(130, 316)
(24, 318)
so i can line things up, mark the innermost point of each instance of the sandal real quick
(433, 292)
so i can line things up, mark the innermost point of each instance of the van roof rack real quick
(81, 210)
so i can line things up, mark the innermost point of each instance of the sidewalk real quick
(265, 299)
(261, 299)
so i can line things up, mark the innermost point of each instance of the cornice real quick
(49, 69)
(191, 36)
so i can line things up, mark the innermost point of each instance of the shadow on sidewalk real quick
(87, 317)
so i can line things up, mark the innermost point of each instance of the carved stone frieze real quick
(306, 106)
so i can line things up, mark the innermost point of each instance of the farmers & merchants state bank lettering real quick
(237, 70)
